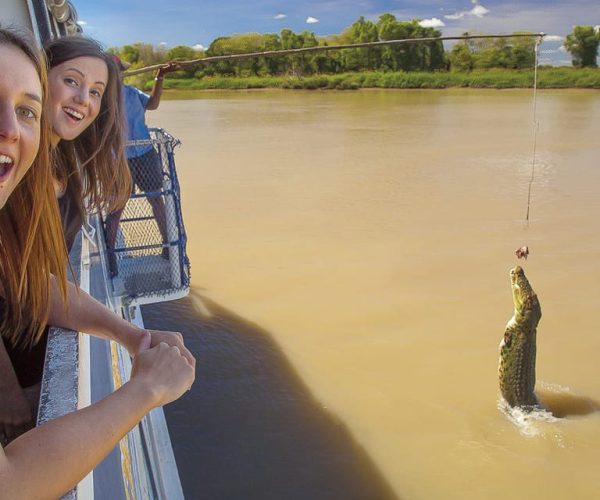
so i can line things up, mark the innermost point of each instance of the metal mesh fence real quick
(146, 241)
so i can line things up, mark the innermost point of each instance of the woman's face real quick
(76, 89)
(20, 113)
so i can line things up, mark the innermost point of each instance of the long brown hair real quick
(31, 243)
(102, 178)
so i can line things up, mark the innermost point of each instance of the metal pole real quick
(322, 48)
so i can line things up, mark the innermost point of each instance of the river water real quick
(368, 236)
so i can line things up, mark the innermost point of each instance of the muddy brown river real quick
(371, 234)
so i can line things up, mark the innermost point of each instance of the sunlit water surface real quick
(371, 234)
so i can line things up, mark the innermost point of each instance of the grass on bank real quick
(548, 78)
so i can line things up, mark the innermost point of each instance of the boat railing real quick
(79, 370)
(65, 384)
(151, 266)
(146, 242)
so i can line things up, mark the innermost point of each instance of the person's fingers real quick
(175, 338)
(165, 367)
(189, 357)
(184, 351)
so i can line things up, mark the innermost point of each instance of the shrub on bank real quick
(493, 78)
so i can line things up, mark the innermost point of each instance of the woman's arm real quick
(51, 459)
(85, 314)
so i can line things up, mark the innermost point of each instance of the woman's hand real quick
(163, 373)
(145, 339)
(174, 339)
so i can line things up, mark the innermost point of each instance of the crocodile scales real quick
(518, 347)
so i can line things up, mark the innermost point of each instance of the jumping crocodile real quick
(518, 347)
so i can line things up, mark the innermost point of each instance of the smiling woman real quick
(21, 113)
(29, 221)
(86, 133)
(87, 128)
(28, 216)
(76, 87)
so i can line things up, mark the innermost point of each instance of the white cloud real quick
(82, 23)
(549, 51)
(477, 11)
(562, 48)
(280, 16)
(434, 22)
(553, 38)
(198, 46)
(311, 20)
(163, 43)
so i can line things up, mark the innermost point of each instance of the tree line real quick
(467, 55)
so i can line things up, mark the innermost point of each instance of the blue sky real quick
(198, 22)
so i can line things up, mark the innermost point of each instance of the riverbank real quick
(548, 78)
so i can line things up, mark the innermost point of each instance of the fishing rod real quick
(323, 48)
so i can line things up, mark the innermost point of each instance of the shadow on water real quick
(250, 428)
(565, 404)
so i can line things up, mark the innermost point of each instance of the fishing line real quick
(536, 126)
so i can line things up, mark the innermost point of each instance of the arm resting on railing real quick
(49, 460)
(85, 314)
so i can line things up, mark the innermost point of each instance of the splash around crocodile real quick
(518, 346)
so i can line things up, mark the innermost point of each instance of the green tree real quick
(362, 31)
(184, 53)
(270, 65)
(461, 58)
(129, 53)
(522, 53)
(299, 64)
(392, 56)
(485, 53)
(583, 46)
(220, 46)
(412, 57)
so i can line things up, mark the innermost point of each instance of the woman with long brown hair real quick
(86, 112)
(29, 248)
(87, 139)
(49, 460)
